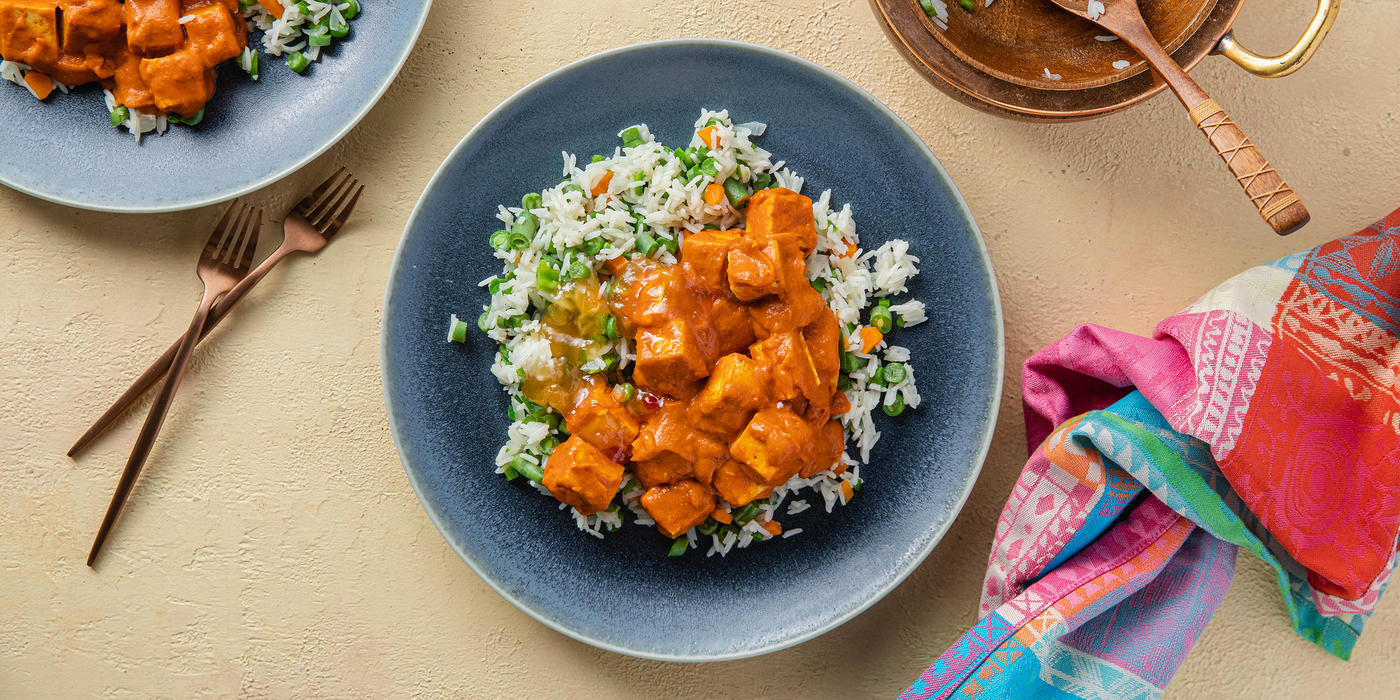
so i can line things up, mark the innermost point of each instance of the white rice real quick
(1120, 65)
(649, 179)
(1052, 76)
(1095, 9)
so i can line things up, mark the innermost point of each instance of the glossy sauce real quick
(736, 367)
(139, 50)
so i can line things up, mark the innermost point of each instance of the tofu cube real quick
(92, 26)
(600, 420)
(678, 507)
(178, 82)
(774, 447)
(735, 487)
(581, 476)
(791, 371)
(736, 389)
(706, 253)
(211, 34)
(29, 31)
(781, 212)
(669, 361)
(153, 27)
(668, 449)
(796, 308)
(823, 338)
(752, 275)
(733, 326)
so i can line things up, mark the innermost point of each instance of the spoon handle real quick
(1278, 204)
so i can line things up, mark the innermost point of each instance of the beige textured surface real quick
(273, 547)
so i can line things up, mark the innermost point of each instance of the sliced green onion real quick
(761, 181)
(120, 115)
(527, 470)
(509, 473)
(546, 278)
(197, 118)
(710, 167)
(353, 10)
(843, 382)
(531, 201)
(632, 137)
(598, 159)
(678, 547)
(318, 40)
(627, 391)
(693, 173)
(708, 527)
(757, 536)
(684, 158)
(927, 6)
(593, 245)
(297, 62)
(899, 321)
(745, 514)
(610, 327)
(819, 284)
(669, 244)
(966, 5)
(881, 319)
(602, 364)
(519, 241)
(481, 322)
(851, 363)
(736, 192)
(856, 486)
(578, 270)
(639, 178)
(571, 187)
(500, 240)
(895, 408)
(894, 372)
(339, 31)
(253, 66)
(713, 121)
(548, 444)
(645, 243)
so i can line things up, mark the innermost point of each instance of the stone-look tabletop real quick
(273, 547)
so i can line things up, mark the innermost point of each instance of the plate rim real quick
(910, 566)
(260, 183)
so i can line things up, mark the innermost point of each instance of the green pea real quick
(548, 444)
(710, 167)
(610, 327)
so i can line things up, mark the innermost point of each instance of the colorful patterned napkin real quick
(1265, 416)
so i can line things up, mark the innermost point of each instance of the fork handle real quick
(162, 365)
(151, 427)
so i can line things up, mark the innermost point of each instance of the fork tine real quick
(331, 200)
(334, 227)
(236, 241)
(325, 217)
(310, 200)
(212, 247)
(251, 247)
(229, 250)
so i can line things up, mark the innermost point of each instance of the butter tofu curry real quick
(735, 381)
(155, 56)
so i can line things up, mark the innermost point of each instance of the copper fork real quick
(224, 263)
(308, 228)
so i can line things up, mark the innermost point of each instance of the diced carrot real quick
(41, 84)
(273, 7)
(722, 516)
(714, 194)
(602, 185)
(706, 134)
(773, 527)
(839, 469)
(846, 491)
(850, 251)
(869, 338)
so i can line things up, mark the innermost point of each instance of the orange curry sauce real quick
(140, 50)
(737, 362)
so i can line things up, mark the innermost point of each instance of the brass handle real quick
(1285, 64)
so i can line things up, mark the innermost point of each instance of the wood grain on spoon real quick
(1277, 203)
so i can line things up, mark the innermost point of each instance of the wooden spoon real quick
(1276, 201)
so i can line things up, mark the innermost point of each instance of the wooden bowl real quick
(997, 59)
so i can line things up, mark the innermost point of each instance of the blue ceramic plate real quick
(448, 414)
(65, 150)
